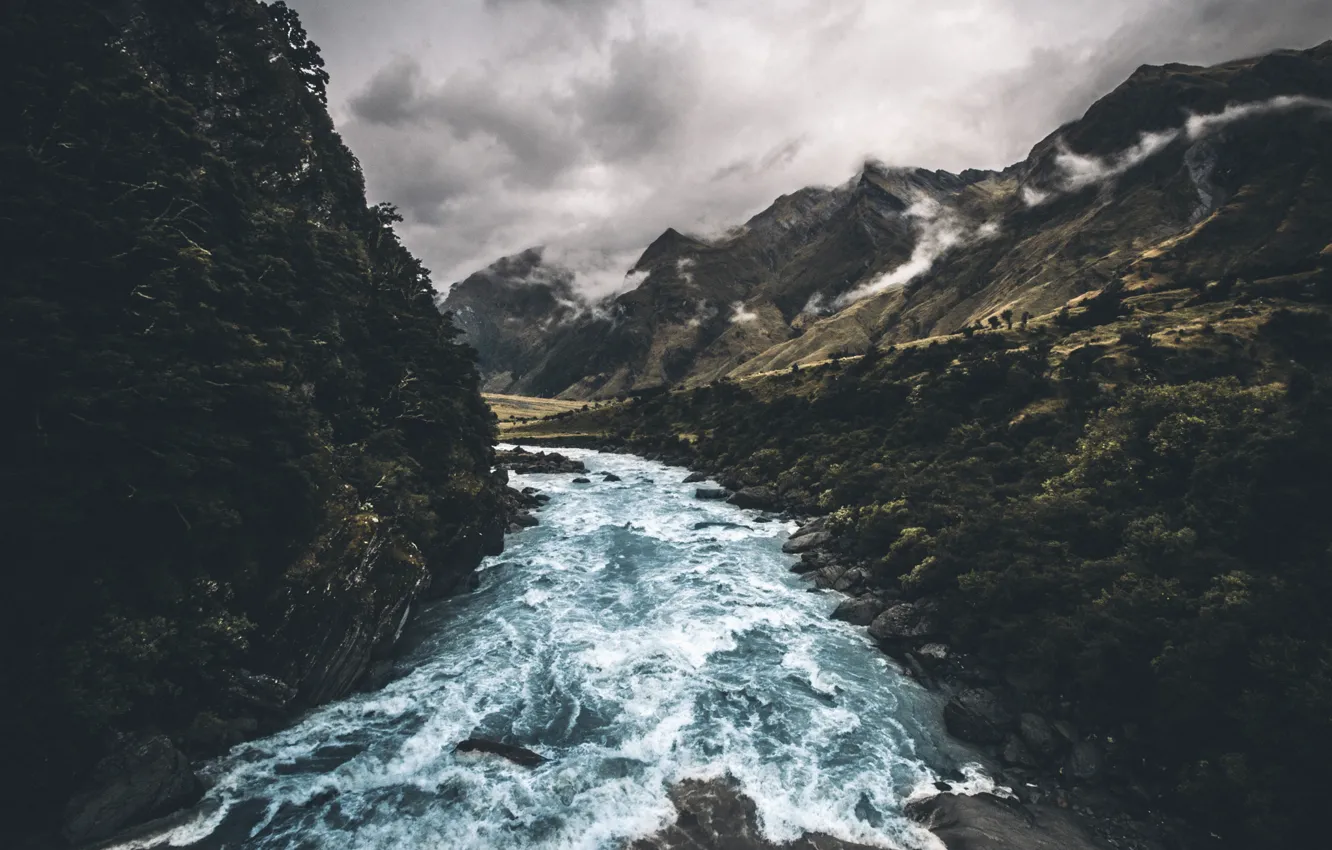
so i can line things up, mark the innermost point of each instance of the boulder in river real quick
(715, 815)
(610, 477)
(524, 462)
(812, 527)
(987, 822)
(977, 716)
(695, 478)
(796, 545)
(861, 610)
(142, 778)
(582, 481)
(761, 498)
(524, 520)
(715, 494)
(518, 755)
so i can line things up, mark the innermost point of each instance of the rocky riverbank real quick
(367, 586)
(1064, 780)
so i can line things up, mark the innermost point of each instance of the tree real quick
(1007, 316)
(994, 323)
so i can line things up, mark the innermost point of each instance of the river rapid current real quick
(635, 638)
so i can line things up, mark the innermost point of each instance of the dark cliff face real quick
(1243, 198)
(239, 438)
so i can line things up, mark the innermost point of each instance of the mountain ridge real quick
(772, 292)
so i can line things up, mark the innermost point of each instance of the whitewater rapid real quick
(635, 638)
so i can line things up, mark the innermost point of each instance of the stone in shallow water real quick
(517, 755)
(714, 815)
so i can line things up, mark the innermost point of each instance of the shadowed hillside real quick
(240, 442)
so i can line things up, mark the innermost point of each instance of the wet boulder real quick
(581, 480)
(860, 610)
(760, 498)
(695, 478)
(524, 520)
(142, 778)
(904, 621)
(715, 815)
(978, 716)
(806, 543)
(610, 477)
(518, 755)
(712, 494)
(988, 822)
(814, 526)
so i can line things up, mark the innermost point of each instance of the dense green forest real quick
(239, 438)
(1122, 509)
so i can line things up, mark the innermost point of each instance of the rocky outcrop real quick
(905, 621)
(860, 610)
(978, 716)
(523, 462)
(143, 777)
(806, 543)
(758, 498)
(715, 815)
(987, 822)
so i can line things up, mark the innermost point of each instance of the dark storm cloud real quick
(592, 125)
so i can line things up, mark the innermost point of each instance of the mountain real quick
(1182, 173)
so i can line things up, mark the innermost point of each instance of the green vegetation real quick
(1124, 510)
(223, 376)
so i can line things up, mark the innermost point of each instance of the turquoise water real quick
(635, 638)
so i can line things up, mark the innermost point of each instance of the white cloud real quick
(589, 126)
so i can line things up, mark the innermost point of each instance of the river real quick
(636, 637)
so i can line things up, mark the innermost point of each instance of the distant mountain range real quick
(1182, 174)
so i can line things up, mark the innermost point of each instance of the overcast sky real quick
(590, 126)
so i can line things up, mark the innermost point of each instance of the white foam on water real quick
(633, 650)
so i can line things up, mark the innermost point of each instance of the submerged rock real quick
(517, 755)
(582, 481)
(712, 493)
(714, 815)
(987, 822)
(610, 477)
(142, 778)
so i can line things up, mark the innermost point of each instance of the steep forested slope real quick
(238, 440)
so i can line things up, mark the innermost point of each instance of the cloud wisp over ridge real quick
(590, 126)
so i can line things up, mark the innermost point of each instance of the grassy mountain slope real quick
(1243, 199)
